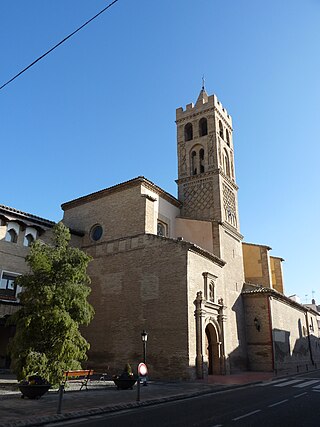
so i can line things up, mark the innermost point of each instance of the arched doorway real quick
(212, 350)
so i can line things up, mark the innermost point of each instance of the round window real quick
(96, 232)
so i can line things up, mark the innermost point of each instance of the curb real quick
(40, 421)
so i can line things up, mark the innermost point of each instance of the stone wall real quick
(197, 266)
(195, 231)
(233, 278)
(256, 264)
(296, 345)
(276, 274)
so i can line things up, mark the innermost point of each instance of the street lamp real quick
(144, 338)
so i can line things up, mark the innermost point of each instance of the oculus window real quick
(96, 232)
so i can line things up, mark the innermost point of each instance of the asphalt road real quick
(293, 401)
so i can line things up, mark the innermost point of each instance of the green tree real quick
(54, 304)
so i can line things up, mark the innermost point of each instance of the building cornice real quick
(197, 113)
(207, 175)
(140, 180)
(231, 230)
(144, 237)
(257, 244)
(253, 290)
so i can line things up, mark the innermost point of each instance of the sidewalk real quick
(103, 397)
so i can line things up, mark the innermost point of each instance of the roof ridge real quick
(29, 215)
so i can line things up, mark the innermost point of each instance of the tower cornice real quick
(206, 176)
(231, 230)
(197, 113)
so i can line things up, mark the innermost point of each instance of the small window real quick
(11, 236)
(96, 232)
(228, 137)
(188, 132)
(194, 163)
(161, 229)
(201, 156)
(203, 127)
(226, 163)
(7, 286)
(28, 239)
(221, 129)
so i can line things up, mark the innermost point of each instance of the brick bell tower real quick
(208, 191)
(206, 177)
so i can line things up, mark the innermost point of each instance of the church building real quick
(177, 268)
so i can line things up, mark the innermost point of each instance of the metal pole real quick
(138, 389)
(61, 390)
(144, 351)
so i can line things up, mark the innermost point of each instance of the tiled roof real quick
(253, 289)
(24, 215)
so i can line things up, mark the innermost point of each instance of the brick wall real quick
(121, 213)
(259, 338)
(139, 283)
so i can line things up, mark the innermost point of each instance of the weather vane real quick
(203, 82)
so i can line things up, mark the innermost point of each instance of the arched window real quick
(201, 156)
(188, 132)
(28, 239)
(221, 129)
(161, 229)
(193, 163)
(226, 163)
(228, 137)
(203, 127)
(11, 236)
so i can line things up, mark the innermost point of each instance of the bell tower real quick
(208, 192)
(206, 176)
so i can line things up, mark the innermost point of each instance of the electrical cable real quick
(58, 44)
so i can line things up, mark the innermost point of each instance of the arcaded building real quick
(177, 268)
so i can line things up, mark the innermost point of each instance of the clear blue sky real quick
(101, 108)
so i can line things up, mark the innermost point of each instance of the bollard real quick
(61, 390)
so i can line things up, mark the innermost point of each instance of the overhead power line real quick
(58, 44)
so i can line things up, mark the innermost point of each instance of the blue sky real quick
(101, 108)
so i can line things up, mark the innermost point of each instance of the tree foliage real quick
(54, 304)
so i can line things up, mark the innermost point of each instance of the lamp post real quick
(144, 338)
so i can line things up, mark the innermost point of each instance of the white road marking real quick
(318, 391)
(301, 394)
(273, 382)
(306, 384)
(288, 383)
(316, 387)
(246, 415)
(278, 403)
